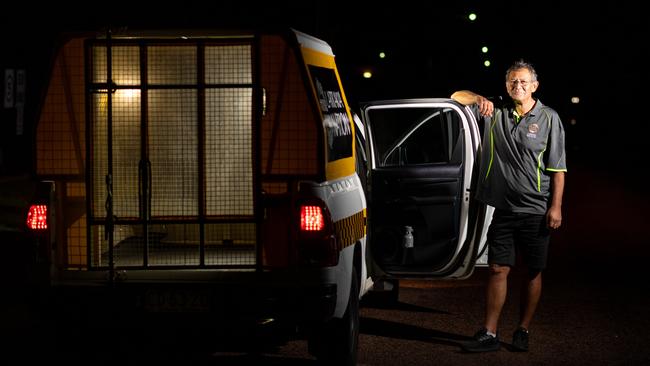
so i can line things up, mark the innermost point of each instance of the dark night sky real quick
(596, 52)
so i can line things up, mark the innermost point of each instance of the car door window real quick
(415, 136)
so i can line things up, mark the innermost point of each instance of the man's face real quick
(520, 85)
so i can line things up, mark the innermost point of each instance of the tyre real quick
(336, 342)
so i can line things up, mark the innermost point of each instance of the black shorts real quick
(518, 233)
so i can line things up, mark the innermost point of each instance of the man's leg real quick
(487, 340)
(534, 241)
(501, 256)
(497, 290)
(530, 293)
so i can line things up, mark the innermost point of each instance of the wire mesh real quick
(177, 156)
(173, 152)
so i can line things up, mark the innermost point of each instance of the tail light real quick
(311, 218)
(40, 225)
(316, 239)
(37, 217)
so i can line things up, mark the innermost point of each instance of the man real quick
(522, 176)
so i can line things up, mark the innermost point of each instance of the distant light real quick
(382, 55)
(575, 100)
(487, 63)
(472, 16)
(367, 74)
(573, 122)
(484, 49)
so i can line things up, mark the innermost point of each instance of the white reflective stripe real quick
(313, 43)
(346, 197)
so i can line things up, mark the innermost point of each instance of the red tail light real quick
(311, 218)
(37, 217)
(317, 241)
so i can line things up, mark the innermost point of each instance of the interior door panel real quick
(427, 200)
(418, 186)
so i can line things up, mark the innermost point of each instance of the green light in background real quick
(487, 63)
(382, 55)
(367, 74)
(472, 16)
(484, 49)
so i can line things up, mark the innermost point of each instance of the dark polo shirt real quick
(518, 153)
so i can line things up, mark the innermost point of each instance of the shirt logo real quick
(532, 131)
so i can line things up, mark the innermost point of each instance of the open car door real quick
(423, 221)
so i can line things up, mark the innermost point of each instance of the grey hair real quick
(521, 64)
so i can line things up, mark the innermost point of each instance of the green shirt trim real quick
(494, 121)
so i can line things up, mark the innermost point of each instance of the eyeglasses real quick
(523, 83)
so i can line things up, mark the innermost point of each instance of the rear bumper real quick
(293, 297)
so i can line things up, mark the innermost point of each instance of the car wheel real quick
(336, 342)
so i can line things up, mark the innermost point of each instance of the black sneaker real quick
(482, 342)
(520, 340)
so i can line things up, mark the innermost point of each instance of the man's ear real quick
(535, 85)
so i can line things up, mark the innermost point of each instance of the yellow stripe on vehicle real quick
(350, 229)
(345, 166)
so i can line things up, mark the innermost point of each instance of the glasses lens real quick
(523, 83)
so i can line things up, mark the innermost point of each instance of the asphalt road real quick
(593, 311)
(595, 302)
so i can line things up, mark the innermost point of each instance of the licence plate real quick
(175, 301)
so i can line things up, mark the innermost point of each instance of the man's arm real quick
(554, 215)
(466, 97)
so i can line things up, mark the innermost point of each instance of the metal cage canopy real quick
(163, 145)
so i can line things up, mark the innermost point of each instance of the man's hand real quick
(485, 107)
(554, 218)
